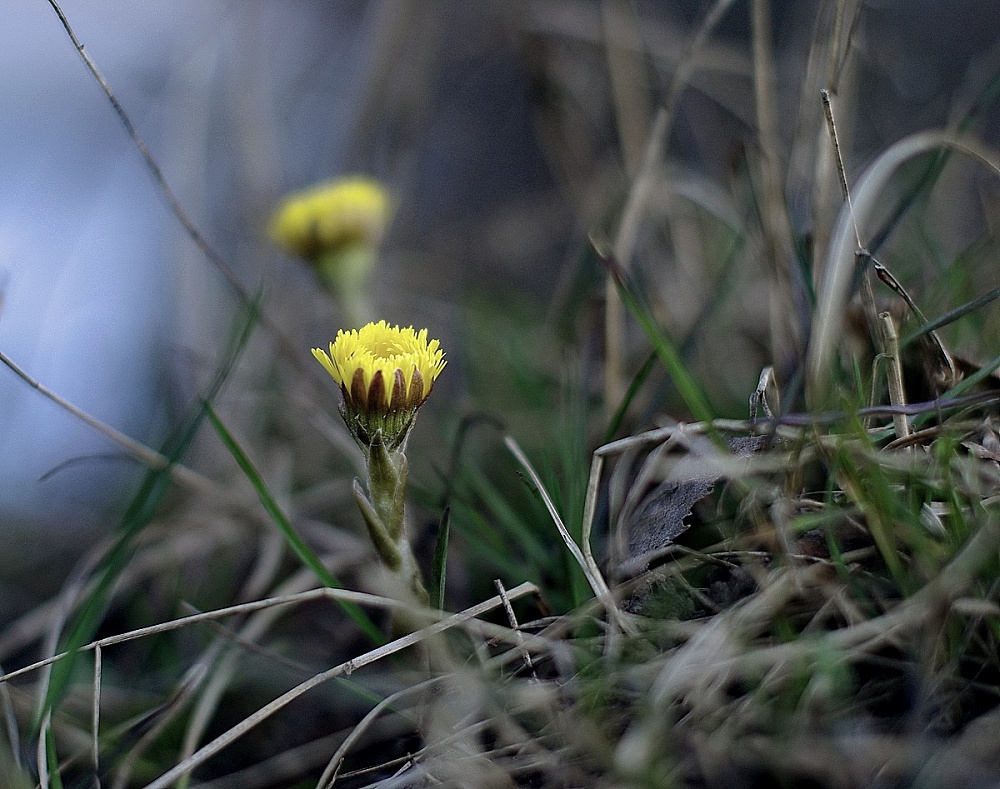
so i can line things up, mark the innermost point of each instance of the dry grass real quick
(805, 597)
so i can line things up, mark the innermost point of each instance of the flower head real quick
(385, 374)
(332, 216)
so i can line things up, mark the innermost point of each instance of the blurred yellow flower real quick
(332, 216)
(385, 374)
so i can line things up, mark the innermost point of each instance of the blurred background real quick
(506, 131)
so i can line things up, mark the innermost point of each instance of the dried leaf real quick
(662, 515)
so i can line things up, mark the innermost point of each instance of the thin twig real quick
(946, 364)
(840, 267)
(590, 502)
(346, 595)
(512, 620)
(154, 168)
(288, 348)
(95, 722)
(222, 671)
(831, 125)
(10, 723)
(867, 293)
(894, 373)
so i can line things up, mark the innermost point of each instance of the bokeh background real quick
(507, 132)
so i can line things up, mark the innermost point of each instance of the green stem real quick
(384, 514)
(346, 273)
(387, 472)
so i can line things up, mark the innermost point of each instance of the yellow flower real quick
(385, 374)
(332, 216)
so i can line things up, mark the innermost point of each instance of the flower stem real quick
(383, 511)
(346, 273)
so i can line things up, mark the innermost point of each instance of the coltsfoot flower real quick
(332, 216)
(385, 374)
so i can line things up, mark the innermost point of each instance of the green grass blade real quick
(138, 514)
(52, 760)
(520, 528)
(971, 380)
(488, 541)
(688, 388)
(439, 570)
(951, 316)
(720, 292)
(306, 555)
(868, 488)
(637, 381)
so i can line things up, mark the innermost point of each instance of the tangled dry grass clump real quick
(806, 594)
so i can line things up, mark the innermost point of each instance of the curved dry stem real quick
(150, 458)
(360, 598)
(329, 775)
(343, 669)
(838, 271)
(587, 564)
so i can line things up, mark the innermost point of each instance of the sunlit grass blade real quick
(306, 555)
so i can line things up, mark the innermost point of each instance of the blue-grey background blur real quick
(105, 299)
(107, 302)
